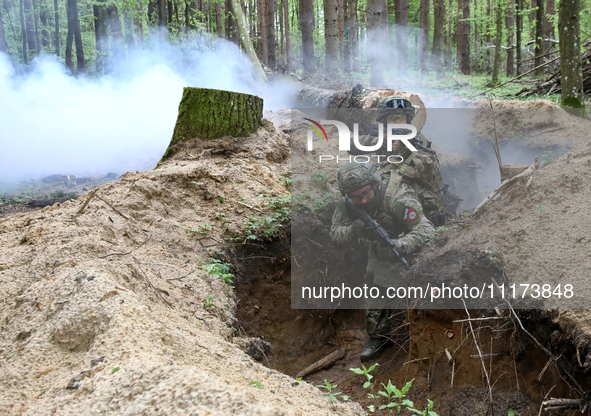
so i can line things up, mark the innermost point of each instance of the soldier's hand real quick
(358, 228)
(385, 252)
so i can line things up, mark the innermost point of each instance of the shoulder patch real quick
(410, 214)
(337, 216)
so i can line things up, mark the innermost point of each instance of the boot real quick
(373, 349)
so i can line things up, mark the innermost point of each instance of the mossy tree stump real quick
(209, 114)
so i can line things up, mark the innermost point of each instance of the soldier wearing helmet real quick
(400, 214)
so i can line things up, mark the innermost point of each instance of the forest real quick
(371, 40)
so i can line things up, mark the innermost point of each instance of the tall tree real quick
(438, 25)
(245, 39)
(74, 33)
(498, 38)
(218, 19)
(401, 18)
(377, 42)
(101, 35)
(263, 35)
(539, 35)
(424, 20)
(287, 41)
(331, 36)
(56, 38)
(44, 26)
(3, 44)
(518, 33)
(463, 33)
(571, 76)
(23, 31)
(307, 30)
(271, 8)
(509, 23)
(354, 33)
(30, 27)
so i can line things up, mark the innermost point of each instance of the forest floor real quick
(169, 292)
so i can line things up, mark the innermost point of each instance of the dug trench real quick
(455, 359)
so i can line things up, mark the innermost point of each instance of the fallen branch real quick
(182, 277)
(248, 206)
(114, 254)
(517, 77)
(90, 195)
(150, 283)
(112, 207)
(325, 362)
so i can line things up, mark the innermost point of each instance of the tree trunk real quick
(56, 39)
(69, 38)
(464, 38)
(346, 57)
(101, 36)
(231, 32)
(209, 114)
(401, 10)
(162, 13)
(3, 44)
(270, 7)
(30, 27)
(218, 19)
(44, 27)
(307, 29)
(571, 77)
(375, 37)
(424, 35)
(539, 35)
(341, 19)
(74, 32)
(532, 19)
(498, 38)
(331, 36)
(509, 22)
(245, 39)
(518, 33)
(287, 41)
(36, 21)
(129, 38)
(548, 27)
(438, 24)
(263, 31)
(354, 33)
(450, 37)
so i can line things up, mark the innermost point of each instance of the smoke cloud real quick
(54, 123)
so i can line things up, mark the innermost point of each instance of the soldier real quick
(399, 213)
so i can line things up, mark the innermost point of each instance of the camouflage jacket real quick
(401, 215)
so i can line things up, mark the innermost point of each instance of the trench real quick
(521, 375)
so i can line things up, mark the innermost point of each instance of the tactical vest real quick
(421, 171)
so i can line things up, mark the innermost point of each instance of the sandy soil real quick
(110, 311)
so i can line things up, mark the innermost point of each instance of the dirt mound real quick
(125, 307)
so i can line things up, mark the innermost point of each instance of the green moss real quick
(210, 114)
(572, 102)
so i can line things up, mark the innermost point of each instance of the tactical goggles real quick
(398, 103)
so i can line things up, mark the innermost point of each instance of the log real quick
(208, 114)
(325, 362)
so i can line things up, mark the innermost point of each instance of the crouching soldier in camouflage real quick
(400, 214)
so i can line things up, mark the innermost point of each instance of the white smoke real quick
(54, 123)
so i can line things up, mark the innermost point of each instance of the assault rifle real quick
(376, 228)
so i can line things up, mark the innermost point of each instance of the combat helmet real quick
(353, 176)
(396, 104)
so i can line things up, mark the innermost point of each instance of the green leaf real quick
(256, 384)
(366, 384)
(345, 398)
(511, 412)
(407, 402)
(407, 386)
(371, 408)
(115, 370)
(372, 367)
(415, 410)
(357, 370)
(383, 393)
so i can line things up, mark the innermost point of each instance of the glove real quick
(358, 228)
(385, 252)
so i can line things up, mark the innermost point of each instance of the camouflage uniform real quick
(400, 214)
